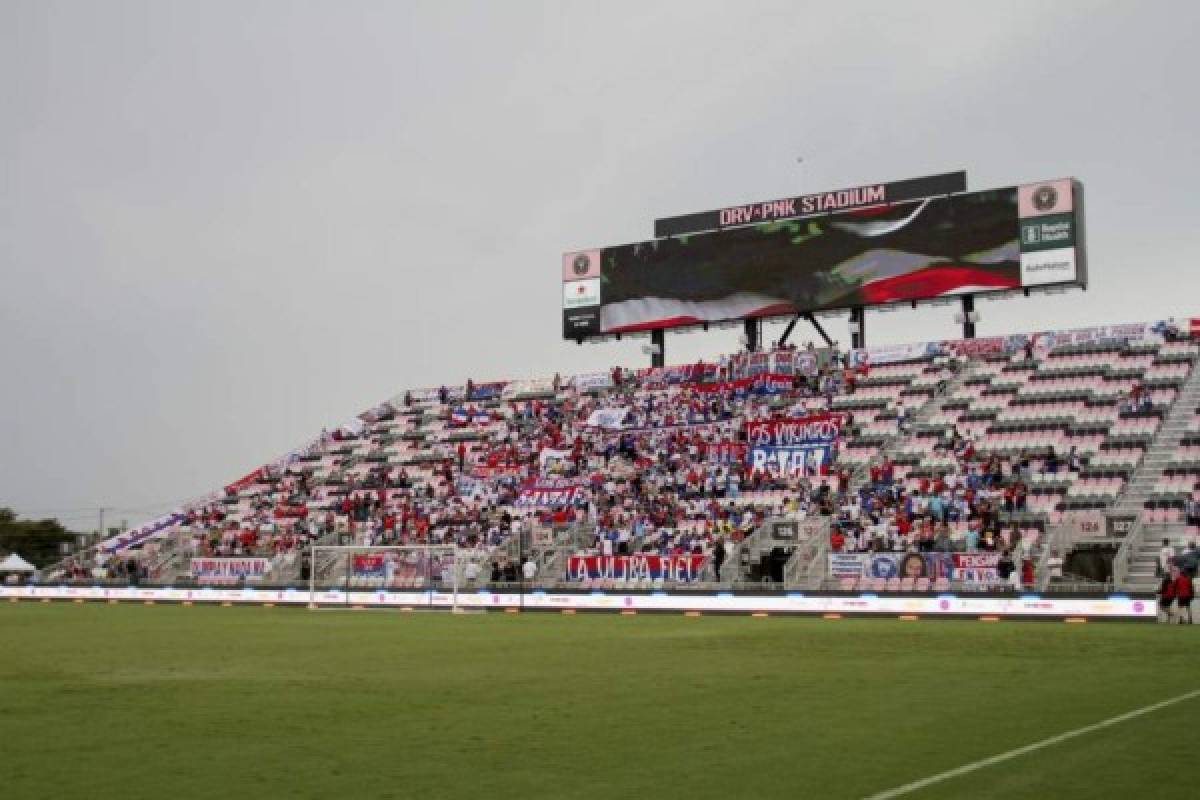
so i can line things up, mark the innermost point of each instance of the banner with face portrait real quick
(970, 568)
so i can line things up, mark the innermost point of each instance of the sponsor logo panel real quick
(581, 294)
(1045, 197)
(1048, 266)
(581, 265)
(581, 322)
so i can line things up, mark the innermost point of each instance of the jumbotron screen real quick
(995, 240)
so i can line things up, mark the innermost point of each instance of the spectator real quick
(1166, 597)
(1005, 569)
(1165, 554)
(1183, 594)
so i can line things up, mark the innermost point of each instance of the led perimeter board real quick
(1021, 237)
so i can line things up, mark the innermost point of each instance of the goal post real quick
(349, 575)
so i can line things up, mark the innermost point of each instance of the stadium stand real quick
(989, 459)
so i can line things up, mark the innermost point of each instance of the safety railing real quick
(1127, 552)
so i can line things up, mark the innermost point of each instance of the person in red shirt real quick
(1166, 594)
(1184, 593)
(837, 541)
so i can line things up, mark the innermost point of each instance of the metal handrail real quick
(1056, 542)
(808, 565)
(1126, 553)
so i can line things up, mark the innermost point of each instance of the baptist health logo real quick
(581, 294)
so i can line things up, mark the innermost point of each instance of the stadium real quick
(684, 540)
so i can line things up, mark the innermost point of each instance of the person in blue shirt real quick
(972, 538)
(937, 509)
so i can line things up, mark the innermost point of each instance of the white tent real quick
(14, 563)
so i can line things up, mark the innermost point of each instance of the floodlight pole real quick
(858, 330)
(658, 347)
(968, 311)
(753, 334)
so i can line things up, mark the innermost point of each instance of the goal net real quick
(385, 576)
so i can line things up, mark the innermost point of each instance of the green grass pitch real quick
(166, 702)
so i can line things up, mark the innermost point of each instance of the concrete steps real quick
(1163, 447)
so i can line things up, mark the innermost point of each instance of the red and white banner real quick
(765, 383)
(976, 567)
(291, 512)
(248, 479)
(685, 569)
(369, 565)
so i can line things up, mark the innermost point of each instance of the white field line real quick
(1029, 748)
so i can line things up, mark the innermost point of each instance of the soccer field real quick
(172, 702)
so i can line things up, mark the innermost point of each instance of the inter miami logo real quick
(1045, 198)
(581, 264)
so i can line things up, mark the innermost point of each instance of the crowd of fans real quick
(643, 462)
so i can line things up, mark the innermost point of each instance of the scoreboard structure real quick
(916, 241)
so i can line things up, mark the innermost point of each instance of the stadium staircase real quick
(1142, 550)
(741, 558)
(1164, 447)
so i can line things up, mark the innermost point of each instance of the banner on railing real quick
(487, 391)
(229, 570)
(608, 418)
(766, 383)
(976, 568)
(592, 381)
(134, 537)
(369, 565)
(462, 417)
(549, 492)
(681, 569)
(291, 512)
(1042, 341)
(678, 373)
(793, 445)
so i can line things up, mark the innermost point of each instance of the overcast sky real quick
(225, 225)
